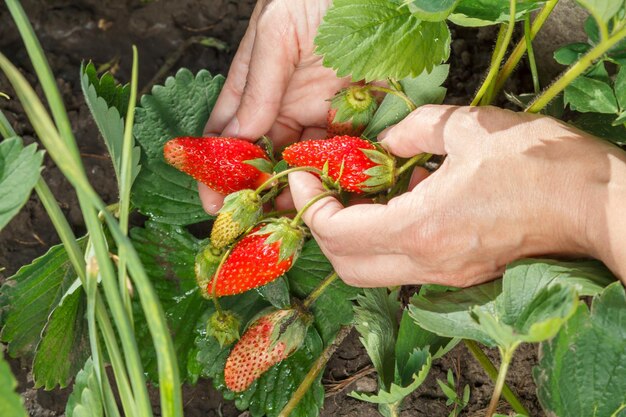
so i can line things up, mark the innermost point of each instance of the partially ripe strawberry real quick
(241, 210)
(269, 339)
(225, 165)
(357, 164)
(260, 257)
(207, 261)
(350, 111)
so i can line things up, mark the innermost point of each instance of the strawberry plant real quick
(276, 311)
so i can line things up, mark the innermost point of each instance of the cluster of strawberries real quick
(246, 250)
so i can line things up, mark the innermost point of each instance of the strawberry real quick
(240, 211)
(225, 165)
(350, 111)
(207, 261)
(356, 164)
(269, 339)
(260, 257)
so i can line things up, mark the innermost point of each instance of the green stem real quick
(125, 184)
(396, 92)
(492, 372)
(314, 372)
(520, 49)
(6, 130)
(298, 218)
(314, 295)
(283, 173)
(216, 303)
(506, 355)
(531, 55)
(419, 159)
(504, 37)
(574, 71)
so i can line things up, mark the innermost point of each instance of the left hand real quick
(513, 185)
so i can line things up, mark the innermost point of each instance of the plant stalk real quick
(574, 71)
(492, 372)
(298, 218)
(419, 159)
(319, 289)
(504, 37)
(396, 92)
(531, 55)
(283, 173)
(506, 355)
(520, 49)
(314, 372)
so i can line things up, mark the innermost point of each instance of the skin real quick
(513, 185)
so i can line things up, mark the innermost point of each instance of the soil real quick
(103, 31)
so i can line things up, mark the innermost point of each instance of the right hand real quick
(276, 85)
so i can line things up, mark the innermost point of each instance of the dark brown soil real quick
(103, 31)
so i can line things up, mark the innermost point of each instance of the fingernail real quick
(232, 128)
(212, 208)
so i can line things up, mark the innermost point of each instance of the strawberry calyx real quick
(289, 235)
(241, 210)
(224, 326)
(206, 263)
(354, 104)
(382, 176)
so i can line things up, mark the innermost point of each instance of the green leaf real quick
(180, 108)
(620, 88)
(600, 125)
(11, 404)
(586, 94)
(333, 308)
(603, 9)
(354, 31)
(448, 314)
(168, 255)
(276, 293)
(19, 172)
(431, 10)
(396, 393)
(108, 103)
(568, 54)
(537, 297)
(64, 346)
(375, 318)
(488, 12)
(581, 372)
(424, 89)
(32, 294)
(85, 399)
(412, 335)
(269, 394)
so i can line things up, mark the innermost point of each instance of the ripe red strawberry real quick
(260, 257)
(350, 111)
(223, 164)
(355, 163)
(269, 339)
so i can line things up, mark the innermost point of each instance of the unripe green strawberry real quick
(224, 326)
(225, 165)
(241, 210)
(267, 341)
(207, 261)
(357, 164)
(350, 111)
(260, 257)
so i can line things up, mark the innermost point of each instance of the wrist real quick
(606, 222)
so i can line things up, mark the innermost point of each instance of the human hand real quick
(276, 85)
(513, 185)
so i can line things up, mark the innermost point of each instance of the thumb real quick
(271, 67)
(423, 130)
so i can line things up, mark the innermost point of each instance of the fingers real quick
(230, 96)
(424, 130)
(212, 201)
(272, 63)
